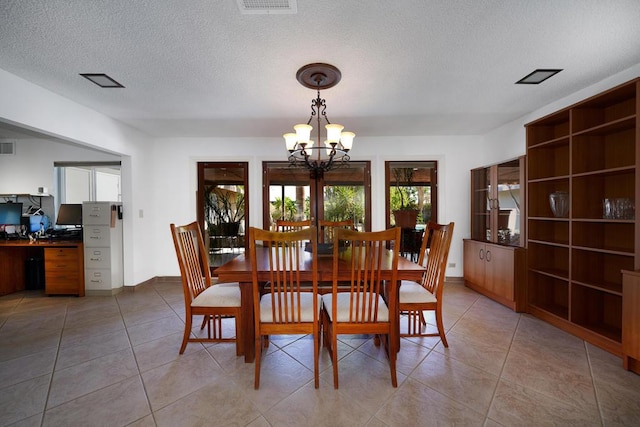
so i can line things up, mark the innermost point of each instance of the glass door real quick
(293, 193)
(509, 197)
(223, 208)
(481, 202)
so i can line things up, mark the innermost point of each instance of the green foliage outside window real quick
(344, 202)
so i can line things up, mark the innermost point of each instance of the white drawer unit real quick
(102, 237)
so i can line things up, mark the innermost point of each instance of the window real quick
(92, 182)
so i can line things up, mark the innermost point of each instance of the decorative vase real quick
(559, 202)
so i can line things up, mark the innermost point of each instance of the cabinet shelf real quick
(549, 160)
(597, 311)
(614, 126)
(558, 274)
(548, 129)
(611, 288)
(608, 171)
(549, 294)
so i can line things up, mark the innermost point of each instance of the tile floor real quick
(114, 361)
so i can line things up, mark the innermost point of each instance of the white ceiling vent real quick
(248, 7)
(7, 148)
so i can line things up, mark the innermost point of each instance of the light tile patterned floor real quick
(114, 361)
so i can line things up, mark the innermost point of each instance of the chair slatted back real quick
(286, 256)
(364, 255)
(327, 228)
(192, 258)
(284, 225)
(439, 236)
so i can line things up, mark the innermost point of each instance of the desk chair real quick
(201, 297)
(287, 307)
(361, 309)
(415, 297)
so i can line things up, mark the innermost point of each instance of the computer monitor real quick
(70, 214)
(10, 213)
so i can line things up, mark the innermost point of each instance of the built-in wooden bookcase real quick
(589, 150)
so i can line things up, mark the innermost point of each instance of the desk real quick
(239, 270)
(63, 266)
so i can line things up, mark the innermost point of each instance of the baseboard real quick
(102, 292)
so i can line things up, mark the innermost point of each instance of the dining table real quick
(239, 269)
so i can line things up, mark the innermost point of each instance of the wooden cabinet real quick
(496, 271)
(494, 261)
(64, 270)
(588, 151)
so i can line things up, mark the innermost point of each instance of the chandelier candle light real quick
(302, 151)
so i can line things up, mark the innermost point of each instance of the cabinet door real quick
(474, 262)
(508, 206)
(481, 201)
(499, 271)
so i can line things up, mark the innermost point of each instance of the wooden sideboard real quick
(63, 266)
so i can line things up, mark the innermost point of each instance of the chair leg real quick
(441, 328)
(422, 319)
(239, 336)
(334, 354)
(316, 355)
(187, 332)
(256, 381)
(205, 318)
(392, 360)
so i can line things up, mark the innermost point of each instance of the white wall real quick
(94, 135)
(159, 176)
(455, 155)
(32, 165)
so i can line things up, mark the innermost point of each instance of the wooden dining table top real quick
(240, 269)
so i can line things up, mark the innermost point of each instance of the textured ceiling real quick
(409, 67)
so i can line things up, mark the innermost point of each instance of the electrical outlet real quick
(452, 265)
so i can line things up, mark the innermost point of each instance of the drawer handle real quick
(95, 259)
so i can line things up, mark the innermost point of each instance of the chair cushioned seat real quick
(411, 292)
(220, 295)
(344, 303)
(306, 307)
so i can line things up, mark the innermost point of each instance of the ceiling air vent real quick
(248, 7)
(7, 148)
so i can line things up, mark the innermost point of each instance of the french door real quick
(295, 193)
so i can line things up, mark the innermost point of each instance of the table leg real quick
(248, 331)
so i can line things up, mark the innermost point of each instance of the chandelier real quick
(317, 156)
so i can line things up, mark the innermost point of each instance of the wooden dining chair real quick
(201, 297)
(327, 228)
(290, 306)
(361, 308)
(285, 225)
(414, 297)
